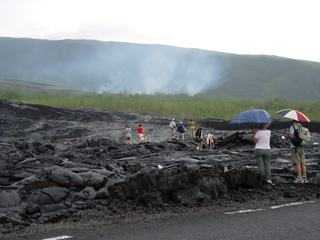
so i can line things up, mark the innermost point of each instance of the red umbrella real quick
(297, 116)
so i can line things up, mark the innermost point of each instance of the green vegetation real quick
(92, 65)
(165, 105)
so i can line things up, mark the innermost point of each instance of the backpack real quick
(181, 128)
(302, 135)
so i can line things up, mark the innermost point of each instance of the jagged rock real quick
(32, 208)
(50, 175)
(50, 195)
(316, 179)
(42, 148)
(135, 185)
(87, 194)
(55, 216)
(289, 194)
(104, 172)
(80, 205)
(9, 198)
(150, 199)
(53, 207)
(13, 220)
(103, 193)
(279, 180)
(242, 178)
(93, 179)
(133, 167)
(63, 177)
(4, 181)
(33, 182)
(213, 186)
(192, 196)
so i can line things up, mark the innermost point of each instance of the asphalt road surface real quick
(290, 223)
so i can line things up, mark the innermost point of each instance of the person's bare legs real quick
(298, 170)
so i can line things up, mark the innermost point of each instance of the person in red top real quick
(140, 133)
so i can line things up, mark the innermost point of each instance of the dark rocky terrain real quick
(58, 164)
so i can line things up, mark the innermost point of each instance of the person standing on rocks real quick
(263, 152)
(173, 128)
(210, 140)
(128, 135)
(298, 152)
(199, 138)
(192, 127)
(140, 133)
(181, 129)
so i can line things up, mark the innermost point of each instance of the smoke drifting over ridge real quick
(110, 66)
(138, 68)
(162, 70)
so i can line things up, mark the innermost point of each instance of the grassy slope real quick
(165, 105)
(90, 65)
(266, 77)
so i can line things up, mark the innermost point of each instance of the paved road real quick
(294, 223)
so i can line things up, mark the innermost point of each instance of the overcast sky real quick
(287, 28)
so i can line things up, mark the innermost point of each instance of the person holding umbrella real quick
(262, 147)
(298, 135)
(260, 120)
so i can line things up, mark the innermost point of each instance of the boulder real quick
(213, 186)
(242, 178)
(56, 207)
(103, 193)
(104, 172)
(33, 182)
(93, 179)
(9, 198)
(63, 177)
(87, 194)
(50, 195)
(316, 179)
(32, 208)
(191, 196)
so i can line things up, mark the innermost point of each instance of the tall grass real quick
(196, 107)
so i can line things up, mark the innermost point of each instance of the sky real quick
(288, 28)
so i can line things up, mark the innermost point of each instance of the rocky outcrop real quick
(49, 172)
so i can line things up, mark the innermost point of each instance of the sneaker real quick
(305, 180)
(270, 182)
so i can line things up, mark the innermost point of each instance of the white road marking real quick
(292, 204)
(245, 211)
(58, 238)
(271, 208)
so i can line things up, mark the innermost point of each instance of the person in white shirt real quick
(263, 152)
(128, 135)
(210, 140)
(173, 128)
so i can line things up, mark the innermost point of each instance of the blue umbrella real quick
(254, 116)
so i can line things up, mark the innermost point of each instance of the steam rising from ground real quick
(163, 71)
(111, 66)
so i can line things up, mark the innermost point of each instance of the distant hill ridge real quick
(145, 68)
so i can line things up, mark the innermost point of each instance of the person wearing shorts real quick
(298, 156)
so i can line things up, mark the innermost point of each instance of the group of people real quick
(140, 132)
(197, 134)
(298, 135)
(177, 130)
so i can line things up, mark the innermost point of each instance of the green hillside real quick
(114, 67)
